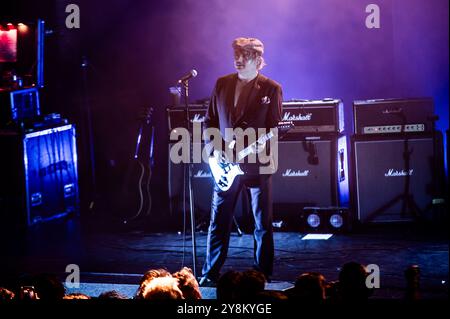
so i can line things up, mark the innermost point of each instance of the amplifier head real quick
(393, 116)
(177, 116)
(314, 116)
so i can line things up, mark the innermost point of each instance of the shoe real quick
(206, 282)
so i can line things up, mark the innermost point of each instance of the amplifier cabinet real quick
(312, 171)
(383, 175)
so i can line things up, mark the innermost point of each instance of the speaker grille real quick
(306, 173)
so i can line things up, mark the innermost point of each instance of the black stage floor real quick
(119, 256)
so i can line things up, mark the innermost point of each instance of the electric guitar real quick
(136, 188)
(225, 172)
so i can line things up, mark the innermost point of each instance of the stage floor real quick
(120, 256)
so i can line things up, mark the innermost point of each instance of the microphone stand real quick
(185, 84)
(406, 199)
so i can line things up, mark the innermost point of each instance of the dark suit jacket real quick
(259, 107)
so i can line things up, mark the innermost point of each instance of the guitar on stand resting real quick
(136, 188)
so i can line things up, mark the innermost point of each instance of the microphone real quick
(192, 74)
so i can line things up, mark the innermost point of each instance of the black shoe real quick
(206, 282)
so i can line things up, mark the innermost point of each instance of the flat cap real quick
(248, 44)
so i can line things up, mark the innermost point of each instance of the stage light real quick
(317, 236)
(10, 26)
(22, 27)
(325, 220)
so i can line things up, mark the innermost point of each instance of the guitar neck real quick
(249, 149)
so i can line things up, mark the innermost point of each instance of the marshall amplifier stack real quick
(397, 160)
(312, 159)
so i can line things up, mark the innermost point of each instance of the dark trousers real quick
(222, 208)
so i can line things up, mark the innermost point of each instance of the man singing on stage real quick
(246, 99)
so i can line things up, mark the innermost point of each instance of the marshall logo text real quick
(395, 173)
(202, 174)
(299, 117)
(292, 173)
(198, 118)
